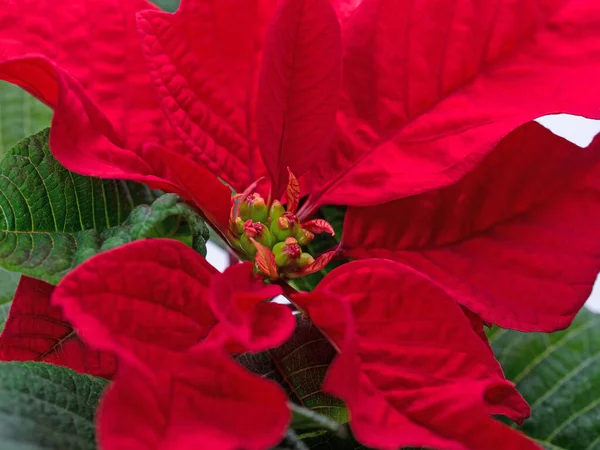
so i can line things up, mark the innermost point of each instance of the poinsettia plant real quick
(269, 122)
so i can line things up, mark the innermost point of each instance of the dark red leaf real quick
(204, 62)
(432, 86)
(47, 45)
(238, 301)
(139, 297)
(513, 241)
(299, 85)
(412, 370)
(195, 183)
(37, 331)
(200, 400)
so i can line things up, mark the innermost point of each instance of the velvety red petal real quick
(203, 399)
(238, 300)
(411, 369)
(432, 86)
(299, 85)
(43, 41)
(139, 297)
(513, 241)
(345, 8)
(82, 138)
(37, 331)
(204, 62)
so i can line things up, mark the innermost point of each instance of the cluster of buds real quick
(274, 236)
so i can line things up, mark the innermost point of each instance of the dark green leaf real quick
(306, 420)
(291, 441)
(20, 115)
(4, 309)
(559, 375)
(49, 216)
(167, 5)
(299, 366)
(166, 217)
(8, 285)
(47, 407)
(330, 441)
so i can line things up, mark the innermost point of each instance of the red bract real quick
(431, 87)
(518, 235)
(170, 347)
(430, 91)
(38, 331)
(411, 368)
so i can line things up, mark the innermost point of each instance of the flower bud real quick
(257, 231)
(305, 260)
(254, 207)
(286, 226)
(280, 229)
(247, 246)
(286, 252)
(276, 211)
(237, 226)
(304, 237)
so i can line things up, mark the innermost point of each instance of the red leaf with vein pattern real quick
(238, 301)
(169, 345)
(204, 61)
(432, 86)
(513, 241)
(196, 184)
(112, 310)
(298, 90)
(318, 226)
(265, 260)
(37, 331)
(292, 193)
(202, 399)
(46, 57)
(412, 370)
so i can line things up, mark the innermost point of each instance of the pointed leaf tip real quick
(318, 226)
(265, 260)
(292, 192)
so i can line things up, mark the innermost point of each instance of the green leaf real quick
(4, 309)
(330, 441)
(20, 115)
(559, 375)
(48, 214)
(306, 420)
(291, 441)
(299, 365)
(47, 407)
(167, 5)
(8, 285)
(167, 217)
